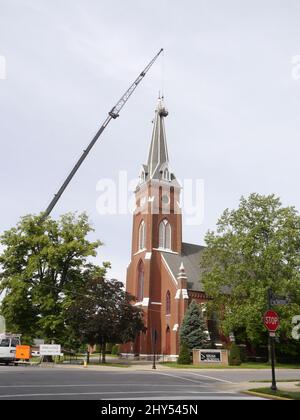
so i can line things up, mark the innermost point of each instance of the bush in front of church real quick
(115, 349)
(234, 356)
(184, 357)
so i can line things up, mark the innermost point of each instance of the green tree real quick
(193, 331)
(43, 262)
(184, 357)
(234, 358)
(103, 313)
(255, 247)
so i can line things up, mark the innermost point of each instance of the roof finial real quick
(182, 273)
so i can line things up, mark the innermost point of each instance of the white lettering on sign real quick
(271, 320)
(208, 356)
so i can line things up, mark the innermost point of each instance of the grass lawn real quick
(109, 364)
(80, 355)
(242, 366)
(282, 394)
(280, 380)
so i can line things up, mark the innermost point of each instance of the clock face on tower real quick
(165, 199)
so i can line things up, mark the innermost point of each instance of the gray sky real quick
(233, 103)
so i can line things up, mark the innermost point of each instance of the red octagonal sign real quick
(271, 320)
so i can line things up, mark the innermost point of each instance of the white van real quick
(8, 344)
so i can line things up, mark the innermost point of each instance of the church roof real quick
(190, 257)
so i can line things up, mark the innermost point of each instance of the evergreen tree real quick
(184, 355)
(193, 329)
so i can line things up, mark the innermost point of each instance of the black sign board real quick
(210, 356)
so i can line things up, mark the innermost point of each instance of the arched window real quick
(165, 234)
(142, 235)
(168, 340)
(168, 303)
(140, 282)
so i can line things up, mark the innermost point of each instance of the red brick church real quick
(164, 272)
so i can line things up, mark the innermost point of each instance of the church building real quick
(164, 272)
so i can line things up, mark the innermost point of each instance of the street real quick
(77, 383)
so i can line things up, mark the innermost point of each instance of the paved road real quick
(36, 383)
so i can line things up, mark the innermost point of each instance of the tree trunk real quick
(103, 351)
(100, 350)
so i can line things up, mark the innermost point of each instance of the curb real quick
(268, 396)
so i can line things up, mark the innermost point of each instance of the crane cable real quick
(163, 75)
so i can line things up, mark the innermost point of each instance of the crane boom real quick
(113, 114)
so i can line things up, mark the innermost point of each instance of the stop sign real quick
(271, 320)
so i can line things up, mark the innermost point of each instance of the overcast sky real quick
(230, 87)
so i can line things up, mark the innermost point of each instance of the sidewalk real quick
(284, 386)
(121, 365)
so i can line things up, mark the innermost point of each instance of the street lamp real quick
(154, 340)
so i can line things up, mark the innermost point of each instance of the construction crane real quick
(113, 114)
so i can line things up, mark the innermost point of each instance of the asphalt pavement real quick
(79, 383)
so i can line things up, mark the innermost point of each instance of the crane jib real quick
(113, 114)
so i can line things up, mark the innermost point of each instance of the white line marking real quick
(107, 393)
(179, 377)
(211, 377)
(94, 385)
(187, 398)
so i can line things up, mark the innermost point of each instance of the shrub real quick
(184, 355)
(115, 349)
(234, 355)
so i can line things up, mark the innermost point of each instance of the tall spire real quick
(158, 158)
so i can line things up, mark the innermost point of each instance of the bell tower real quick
(157, 227)
(158, 195)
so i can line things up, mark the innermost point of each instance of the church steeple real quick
(158, 159)
(158, 153)
(158, 196)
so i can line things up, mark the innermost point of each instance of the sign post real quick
(271, 322)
